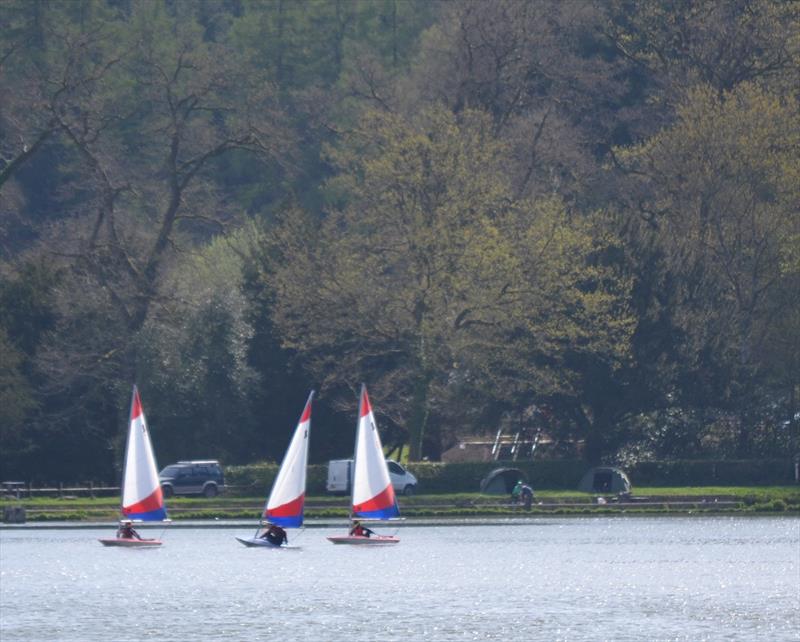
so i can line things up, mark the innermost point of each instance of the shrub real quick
(436, 477)
(712, 472)
(257, 479)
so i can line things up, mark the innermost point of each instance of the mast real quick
(355, 451)
(125, 454)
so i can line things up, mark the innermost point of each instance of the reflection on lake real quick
(660, 578)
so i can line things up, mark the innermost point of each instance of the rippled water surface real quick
(666, 578)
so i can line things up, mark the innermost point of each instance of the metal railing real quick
(19, 490)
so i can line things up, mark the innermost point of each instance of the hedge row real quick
(466, 477)
(744, 472)
(255, 479)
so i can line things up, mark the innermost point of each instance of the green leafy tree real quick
(144, 111)
(429, 275)
(27, 314)
(721, 187)
(555, 90)
(17, 400)
(374, 293)
(193, 359)
(719, 44)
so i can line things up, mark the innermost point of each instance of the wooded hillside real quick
(575, 217)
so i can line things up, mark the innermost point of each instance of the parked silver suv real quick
(192, 478)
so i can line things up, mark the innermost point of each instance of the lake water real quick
(662, 578)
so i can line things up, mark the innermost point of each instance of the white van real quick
(340, 477)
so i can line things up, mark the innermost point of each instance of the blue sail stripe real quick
(158, 515)
(384, 513)
(292, 521)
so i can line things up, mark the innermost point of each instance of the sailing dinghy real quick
(284, 507)
(142, 500)
(373, 495)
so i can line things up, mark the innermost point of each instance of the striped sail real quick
(373, 495)
(141, 490)
(285, 504)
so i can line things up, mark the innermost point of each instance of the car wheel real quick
(166, 491)
(210, 491)
(409, 490)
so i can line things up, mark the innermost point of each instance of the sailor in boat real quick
(359, 530)
(126, 530)
(274, 534)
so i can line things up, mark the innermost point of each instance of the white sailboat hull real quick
(360, 540)
(130, 543)
(258, 542)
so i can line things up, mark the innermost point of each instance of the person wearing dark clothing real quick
(359, 530)
(275, 535)
(527, 496)
(516, 492)
(126, 531)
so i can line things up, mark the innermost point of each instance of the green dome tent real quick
(501, 481)
(605, 479)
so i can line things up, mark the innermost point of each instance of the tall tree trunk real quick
(394, 34)
(419, 414)
(419, 398)
(595, 445)
(595, 430)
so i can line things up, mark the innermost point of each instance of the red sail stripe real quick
(366, 408)
(382, 500)
(289, 509)
(306, 414)
(136, 406)
(150, 503)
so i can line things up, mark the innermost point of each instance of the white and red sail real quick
(287, 499)
(373, 495)
(142, 499)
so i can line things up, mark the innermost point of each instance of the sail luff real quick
(134, 395)
(352, 476)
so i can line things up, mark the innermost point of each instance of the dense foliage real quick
(579, 218)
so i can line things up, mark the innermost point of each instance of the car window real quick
(395, 468)
(170, 471)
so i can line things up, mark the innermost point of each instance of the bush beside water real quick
(437, 477)
(256, 479)
(452, 490)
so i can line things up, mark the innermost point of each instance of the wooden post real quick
(91, 490)
(61, 490)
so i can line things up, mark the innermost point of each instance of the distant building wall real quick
(467, 451)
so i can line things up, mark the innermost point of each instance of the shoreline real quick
(473, 519)
(323, 509)
(318, 523)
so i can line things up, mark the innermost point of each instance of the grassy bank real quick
(656, 500)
